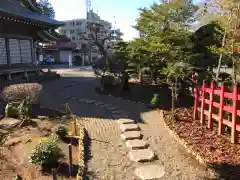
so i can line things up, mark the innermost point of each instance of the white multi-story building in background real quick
(73, 28)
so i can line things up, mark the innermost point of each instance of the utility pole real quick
(89, 20)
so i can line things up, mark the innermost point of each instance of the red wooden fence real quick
(206, 96)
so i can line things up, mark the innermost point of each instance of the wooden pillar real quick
(210, 124)
(203, 103)
(220, 122)
(32, 52)
(20, 49)
(234, 115)
(196, 101)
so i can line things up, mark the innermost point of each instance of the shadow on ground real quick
(227, 171)
(144, 94)
(87, 157)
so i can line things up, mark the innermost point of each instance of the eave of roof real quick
(24, 13)
(62, 46)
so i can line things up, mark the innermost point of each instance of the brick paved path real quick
(108, 158)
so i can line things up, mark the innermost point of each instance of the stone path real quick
(109, 147)
(140, 152)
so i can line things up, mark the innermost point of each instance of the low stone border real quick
(81, 156)
(188, 148)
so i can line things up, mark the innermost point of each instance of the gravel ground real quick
(108, 154)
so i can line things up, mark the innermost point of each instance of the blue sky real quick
(125, 12)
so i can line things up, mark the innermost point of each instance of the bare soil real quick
(18, 142)
(217, 150)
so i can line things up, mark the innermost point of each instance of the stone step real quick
(130, 135)
(141, 155)
(125, 121)
(136, 144)
(111, 108)
(148, 172)
(129, 127)
(117, 112)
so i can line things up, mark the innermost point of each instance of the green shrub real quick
(21, 110)
(11, 110)
(155, 100)
(19, 92)
(46, 153)
(17, 177)
(60, 131)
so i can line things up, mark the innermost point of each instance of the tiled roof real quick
(24, 13)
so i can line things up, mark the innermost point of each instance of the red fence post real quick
(210, 106)
(234, 115)
(220, 122)
(196, 100)
(203, 102)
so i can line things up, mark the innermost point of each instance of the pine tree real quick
(166, 32)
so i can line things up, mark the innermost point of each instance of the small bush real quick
(46, 153)
(60, 131)
(19, 92)
(155, 100)
(17, 177)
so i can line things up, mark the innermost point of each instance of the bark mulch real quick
(217, 151)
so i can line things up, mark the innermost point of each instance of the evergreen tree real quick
(46, 8)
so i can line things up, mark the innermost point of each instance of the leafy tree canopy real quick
(46, 8)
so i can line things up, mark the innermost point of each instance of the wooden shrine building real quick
(22, 27)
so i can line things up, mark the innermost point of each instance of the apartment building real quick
(76, 28)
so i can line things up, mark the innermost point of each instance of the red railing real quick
(210, 105)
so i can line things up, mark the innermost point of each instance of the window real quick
(73, 23)
(72, 31)
(79, 24)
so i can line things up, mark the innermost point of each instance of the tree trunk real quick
(125, 81)
(233, 46)
(173, 99)
(176, 90)
(221, 55)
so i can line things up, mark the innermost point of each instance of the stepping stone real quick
(148, 172)
(81, 100)
(129, 127)
(111, 108)
(105, 105)
(136, 144)
(130, 135)
(89, 101)
(124, 116)
(99, 103)
(117, 112)
(141, 155)
(125, 121)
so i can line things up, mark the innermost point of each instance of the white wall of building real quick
(64, 55)
(74, 27)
